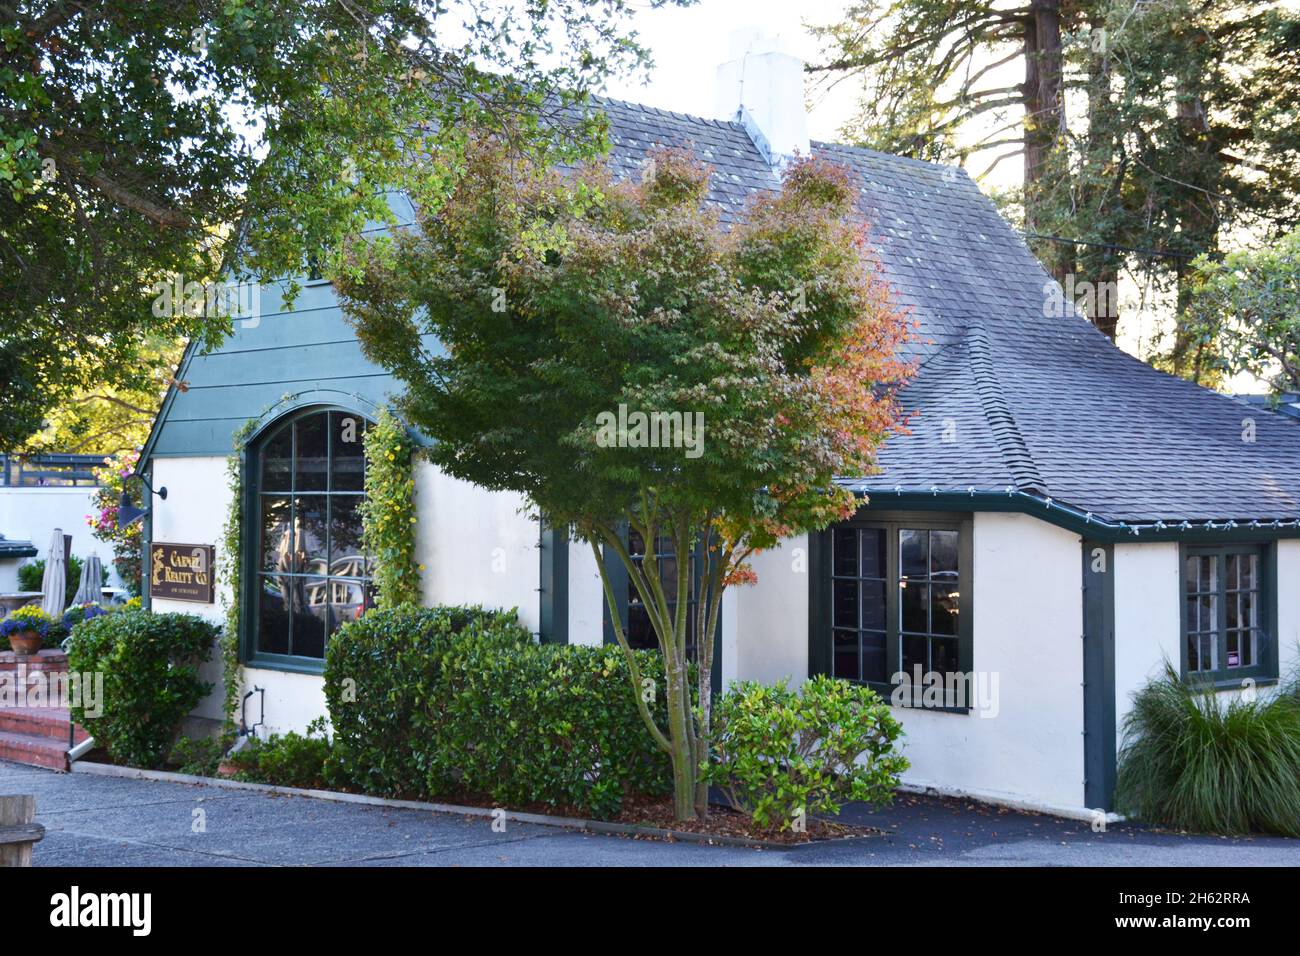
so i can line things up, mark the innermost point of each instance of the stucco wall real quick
(32, 514)
(198, 500)
(477, 546)
(586, 597)
(1028, 619)
(1148, 603)
(1147, 609)
(772, 638)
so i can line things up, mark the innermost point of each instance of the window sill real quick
(1233, 683)
(290, 665)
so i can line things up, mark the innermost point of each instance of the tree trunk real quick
(1042, 90)
(1198, 220)
(1044, 115)
(1102, 266)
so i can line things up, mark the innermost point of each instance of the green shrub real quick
(31, 577)
(150, 664)
(1194, 762)
(288, 760)
(199, 756)
(382, 684)
(450, 701)
(777, 752)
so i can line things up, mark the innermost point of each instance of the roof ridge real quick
(1015, 453)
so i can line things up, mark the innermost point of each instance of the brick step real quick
(51, 722)
(45, 661)
(33, 751)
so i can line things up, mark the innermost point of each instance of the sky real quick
(688, 45)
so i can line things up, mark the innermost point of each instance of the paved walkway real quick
(107, 821)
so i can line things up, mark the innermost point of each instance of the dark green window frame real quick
(822, 576)
(627, 598)
(1228, 622)
(251, 534)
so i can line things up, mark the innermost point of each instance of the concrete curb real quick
(541, 819)
(1082, 814)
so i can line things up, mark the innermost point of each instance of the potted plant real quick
(26, 629)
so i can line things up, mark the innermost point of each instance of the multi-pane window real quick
(858, 607)
(929, 599)
(633, 615)
(640, 632)
(1225, 624)
(311, 571)
(895, 600)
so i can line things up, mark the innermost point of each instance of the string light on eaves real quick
(1127, 528)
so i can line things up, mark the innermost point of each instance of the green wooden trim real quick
(819, 591)
(146, 544)
(1099, 740)
(819, 602)
(553, 610)
(1266, 668)
(1094, 527)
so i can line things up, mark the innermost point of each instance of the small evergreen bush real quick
(779, 755)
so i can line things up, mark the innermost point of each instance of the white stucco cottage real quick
(1061, 519)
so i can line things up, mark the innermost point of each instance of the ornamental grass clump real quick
(1196, 762)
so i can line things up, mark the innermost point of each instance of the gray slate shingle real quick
(1009, 392)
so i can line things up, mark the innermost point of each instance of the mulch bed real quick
(730, 823)
(638, 810)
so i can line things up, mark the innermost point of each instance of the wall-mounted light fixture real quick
(127, 513)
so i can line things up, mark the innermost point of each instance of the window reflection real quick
(314, 575)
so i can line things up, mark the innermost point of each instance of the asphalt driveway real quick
(107, 821)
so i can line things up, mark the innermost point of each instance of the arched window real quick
(307, 571)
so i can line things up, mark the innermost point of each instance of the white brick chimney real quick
(762, 87)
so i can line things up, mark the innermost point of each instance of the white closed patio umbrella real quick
(55, 581)
(90, 590)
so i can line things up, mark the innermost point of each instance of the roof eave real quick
(1067, 516)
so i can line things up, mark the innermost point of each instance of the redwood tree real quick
(559, 296)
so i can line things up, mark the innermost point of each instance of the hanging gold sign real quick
(182, 572)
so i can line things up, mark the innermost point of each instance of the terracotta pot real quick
(25, 642)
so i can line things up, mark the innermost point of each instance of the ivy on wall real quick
(229, 574)
(388, 512)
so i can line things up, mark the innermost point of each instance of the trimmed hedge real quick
(437, 702)
(150, 664)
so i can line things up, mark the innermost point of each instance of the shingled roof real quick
(1014, 393)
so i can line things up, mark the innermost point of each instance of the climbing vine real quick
(388, 512)
(230, 571)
